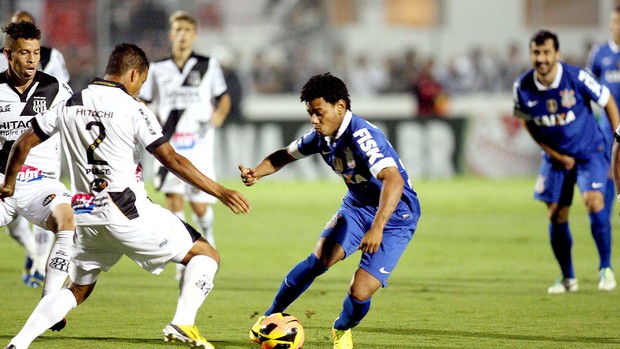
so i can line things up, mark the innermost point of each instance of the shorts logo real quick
(29, 174)
(332, 222)
(383, 271)
(597, 185)
(48, 199)
(83, 203)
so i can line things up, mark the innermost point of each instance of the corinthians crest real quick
(39, 105)
(568, 98)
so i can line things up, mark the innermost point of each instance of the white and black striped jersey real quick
(184, 98)
(52, 62)
(16, 112)
(100, 128)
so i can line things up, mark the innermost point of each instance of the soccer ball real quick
(281, 331)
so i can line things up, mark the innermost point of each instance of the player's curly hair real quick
(331, 88)
(126, 57)
(20, 30)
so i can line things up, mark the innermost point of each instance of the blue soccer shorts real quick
(555, 184)
(348, 226)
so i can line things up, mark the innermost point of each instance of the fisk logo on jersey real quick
(368, 145)
(590, 82)
(29, 174)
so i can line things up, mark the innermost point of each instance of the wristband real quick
(618, 197)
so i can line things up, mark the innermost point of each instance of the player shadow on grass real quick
(482, 335)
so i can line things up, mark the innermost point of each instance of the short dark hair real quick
(331, 88)
(543, 35)
(126, 57)
(20, 30)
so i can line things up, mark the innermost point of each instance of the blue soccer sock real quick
(561, 243)
(353, 311)
(609, 197)
(601, 232)
(296, 282)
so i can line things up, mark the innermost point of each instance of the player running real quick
(378, 215)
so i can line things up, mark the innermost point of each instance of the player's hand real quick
(371, 240)
(235, 201)
(248, 175)
(567, 161)
(6, 191)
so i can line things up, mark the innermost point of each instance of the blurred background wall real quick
(436, 75)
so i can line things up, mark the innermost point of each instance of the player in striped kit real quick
(38, 241)
(41, 197)
(188, 93)
(100, 128)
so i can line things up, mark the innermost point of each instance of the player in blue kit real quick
(378, 215)
(604, 64)
(553, 99)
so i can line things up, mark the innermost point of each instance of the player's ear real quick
(7, 53)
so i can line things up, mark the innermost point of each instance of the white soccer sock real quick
(51, 309)
(43, 240)
(206, 225)
(195, 287)
(19, 228)
(57, 268)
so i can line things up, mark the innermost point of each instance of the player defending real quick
(36, 242)
(99, 128)
(553, 99)
(189, 95)
(379, 213)
(41, 197)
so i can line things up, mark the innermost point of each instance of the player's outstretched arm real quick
(16, 159)
(271, 164)
(184, 169)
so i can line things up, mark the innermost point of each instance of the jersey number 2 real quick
(90, 152)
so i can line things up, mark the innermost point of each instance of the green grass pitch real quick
(474, 276)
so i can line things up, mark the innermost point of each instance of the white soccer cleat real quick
(188, 334)
(607, 280)
(563, 285)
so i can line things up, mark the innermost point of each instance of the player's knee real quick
(81, 292)
(61, 218)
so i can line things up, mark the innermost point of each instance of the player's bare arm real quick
(221, 111)
(16, 159)
(271, 164)
(611, 109)
(391, 192)
(184, 169)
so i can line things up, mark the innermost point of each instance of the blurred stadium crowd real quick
(303, 45)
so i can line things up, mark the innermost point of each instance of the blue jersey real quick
(604, 64)
(561, 113)
(357, 154)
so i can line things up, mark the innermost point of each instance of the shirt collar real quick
(343, 126)
(554, 84)
(613, 46)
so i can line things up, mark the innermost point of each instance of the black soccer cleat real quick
(59, 325)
